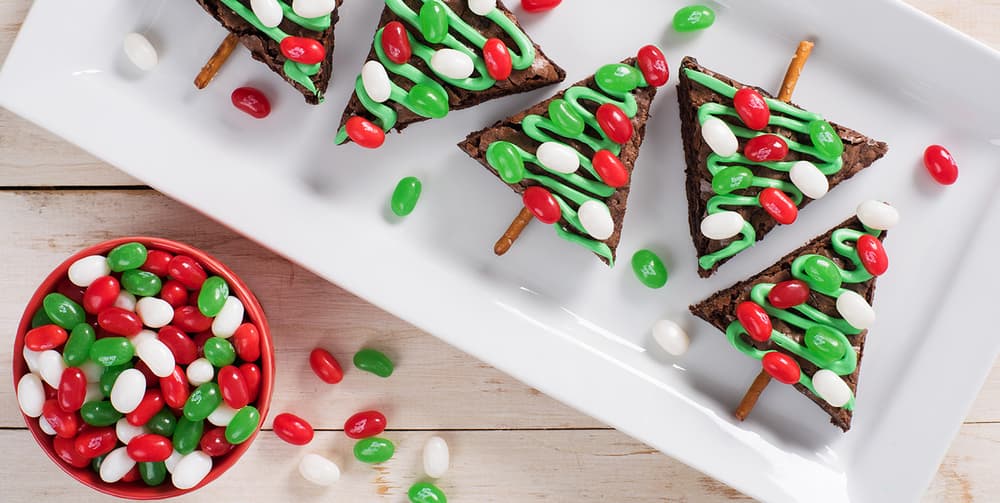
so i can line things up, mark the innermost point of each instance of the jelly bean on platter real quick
(650, 270)
(536, 6)
(693, 18)
(671, 337)
(405, 196)
(140, 51)
(941, 165)
(251, 101)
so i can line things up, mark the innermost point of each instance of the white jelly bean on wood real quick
(437, 458)
(319, 470)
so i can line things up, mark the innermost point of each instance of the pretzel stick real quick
(507, 240)
(787, 88)
(214, 63)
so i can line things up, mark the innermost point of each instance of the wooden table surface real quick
(509, 442)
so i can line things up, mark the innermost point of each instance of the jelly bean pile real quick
(141, 365)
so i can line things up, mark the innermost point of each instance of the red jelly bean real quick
(45, 337)
(72, 389)
(67, 288)
(364, 132)
(497, 57)
(653, 65)
(65, 448)
(325, 366)
(65, 423)
(614, 123)
(396, 43)
(101, 294)
(941, 165)
(539, 5)
(872, 255)
(199, 341)
(188, 271)
(364, 424)
(781, 367)
(303, 50)
(542, 204)
(788, 294)
(233, 387)
(252, 101)
(755, 320)
(251, 374)
(175, 388)
(179, 344)
(610, 168)
(157, 262)
(96, 442)
(174, 293)
(778, 205)
(293, 429)
(149, 448)
(246, 341)
(752, 108)
(50, 392)
(131, 475)
(151, 404)
(214, 442)
(119, 321)
(190, 319)
(766, 147)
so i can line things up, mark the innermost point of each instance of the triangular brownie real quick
(732, 184)
(585, 187)
(430, 57)
(301, 35)
(817, 303)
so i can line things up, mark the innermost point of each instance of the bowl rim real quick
(254, 311)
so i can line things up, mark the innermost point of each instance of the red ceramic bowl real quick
(138, 490)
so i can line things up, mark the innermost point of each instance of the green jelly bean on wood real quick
(63, 311)
(202, 401)
(77, 348)
(100, 413)
(127, 256)
(141, 283)
(374, 450)
(188, 434)
(373, 361)
(219, 352)
(243, 425)
(406, 195)
(212, 296)
(112, 351)
(425, 492)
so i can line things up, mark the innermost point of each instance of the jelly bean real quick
(222, 415)
(127, 431)
(732, 178)
(610, 168)
(499, 64)
(671, 337)
(825, 139)
(140, 51)
(189, 319)
(426, 100)
(77, 349)
(755, 320)
(425, 492)
(405, 196)
(72, 389)
(31, 358)
(830, 387)
(233, 387)
(91, 369)
(313, 8)
(777, 204)
(153, 474)
(203, 400)
(566, 120)
(30, 395)
(150, 405)
(116, 464)
(95, 442)
(433, 21)
(941, 165)
(752, 108)
(482, 7)
(127, 256)
(325, 366)
(229, 318)
(186, 270)
(45, 337)
(243, 425)
(93, 392)
(140, 337)
(719, 137)
(822, 274)
(157, 356)
(365, 424)
(855, 310)
(46, 427)
(125, 301)
(64, 423)
(149, 448)
(374, 450)
(174, 293)
(877, 215)
(595, 217)
(51, 392)
(128, 390)
(364, 132)
(505, 157)
(614, 123)
(172, 461)
(536, 6)
(650, 270)
(71, 291)
(319, 470)
(373, 361)
(246, 340)
(693, 17)
(219, 352)
(191, 470)
(293, 429)
(542, 204)
(112, 351)
(179, 344)
(268, 12)
(141, 283)
(63, 311)
(766, 147)
(119, 321)
(618, 78)
(781, 367)
(826, 344)
(200, 372)
(252, 101)
(301, 50)
(65, 449)
(131, 475)
(788, 294)
(375, 81)
(153, 312)
(111, 374)
(214, 443)
(558, 157)
(653, 65)
(872, 255)
(84, 271)
(157, 262)
(162, 423)
(251, 374)
(396, 42)
(51, 367)
(175, 388)
(452, 64)
(40, 318)
(436, 457)
(187, 434)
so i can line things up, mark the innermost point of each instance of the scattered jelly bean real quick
(30, 395)
(777, 204)
(364, 132)
(755, 320)
(319, 470)
(618, 78)
(426, 100)
(72, 389)
(595, 217)
(365, 424)
(614, 123)
(128, 390)
(877, 215)
(565, 118)
(141, 283)
(140, 51)
(374, 450)
(251, 374)
(452, 64)
(433, 21)
(190, 319)
(125, 301)
(536, 6)
(313, 8)
(425, 492)
(84, 271)
(396, 42)
(202, 401)
(505, 157)
(436, 457)
(230, 318)
(872, 255)
(542, 204)
(693, 18)
(406, 195)
(149, 448)
(40, 318)
(112, 351)
(63, 311)
(752, 108)
(722, 225)
(127, 256)
(497, 57)
(649, 269)
(222, 415)
(373, 361)
(243, 425)
(293, 429)
(150, 405)
(214, 443)
(77, 348)
(64, 423)
(251, 101)
(822, 274)
(855, 310)
(219, 352)
(45, 337)
(95, 442)
(175, 388)
(653, 65)
(191, 470)
(65, 448)
(174, 293)
(826, 344)
(941, 165)
(187, 270)
(153, 312)
(303, 50)
(153, 474)
(233, 387)
(830, 387)
(51, 367)
(246, 341)
(781, 367)
(558, 157)
(187, 434)
(788, 294)
(119, 321)
(325, 366)
(671, 337)
(825, 139)
(766, 147)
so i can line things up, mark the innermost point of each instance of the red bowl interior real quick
(138, 490)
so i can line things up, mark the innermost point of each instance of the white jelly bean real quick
(93, 392)
(157, 356)
(313, 8)
(452, 64)
(171, 462)
(809, 179)
(229, 318)
(830, 387)
(671, 337)
(319, 470)
(268, 12)
(855, 310)
(722, 225)
(140, 51)
(222, 415)
(154, 312)
(595, 217)
(115, 465)
(482, 7)
(191, 470)
(200, 372)
(558, 157)
(126, 431)
(128, 390)
(51, 367)
(31, 358)
(437, 459)
(878, 215)
(719, 137)
(376, 81)
(142, 336)
(43, 424)
(83, 272)
(125, 301)
(30, 395)
(92, 370)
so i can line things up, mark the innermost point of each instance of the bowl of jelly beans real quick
(143, 367)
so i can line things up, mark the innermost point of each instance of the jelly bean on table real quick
(374, 450)
(373, 361)
(425, 492)
(319, 470)
(293, 429)
(436, 457)
(365, 424)
(325, 366)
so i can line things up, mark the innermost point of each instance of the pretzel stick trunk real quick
(214, 63)
(513, 232)
(787, 88)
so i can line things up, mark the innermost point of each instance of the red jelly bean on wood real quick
(788, 294)
(396, 43)
(752, 108)
(766, 147)
(610, 168)
(614, 123)
(872, 254)
(539, 5)
(755, 320)
(303, 50)
(653, 65)
(119, 321)
(325, 366)
(45, 337)
(781, 367)
(941, 165)
(542, 204)
(497, 57)
(365, 424)
(364, 132)
(293, 429)
(778, 205)
(252, 101)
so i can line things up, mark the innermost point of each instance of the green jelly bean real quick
(406, 195)
(100, 413)
(187, 435)
(40, 318)
(505, 158)
(95, 463)
(427, 101)
(219, 352)
(825, 139)
(826, 344)
(618, 78)
(162, 423)
(110, 375)
(649, 269)
(127, 256)
(566, 119)
(213, 295)
(425, 492)
(202, 402)
(732, 178)
(77, 348)
(373, 361)
(153, 474)
(822, 274)
(63, 311)
(693, 17)
(243, 425)
(111, 351)
(141, 283)
(374, 450)
(433, 20)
